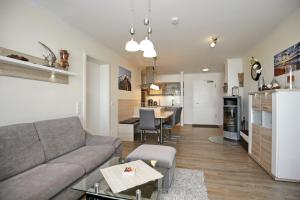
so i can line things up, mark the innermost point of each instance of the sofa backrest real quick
(20, 149)
(60, 136)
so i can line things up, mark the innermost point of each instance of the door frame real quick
(84, 89)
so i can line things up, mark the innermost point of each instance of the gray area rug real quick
(188, 185)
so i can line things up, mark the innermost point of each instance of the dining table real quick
(161, 115)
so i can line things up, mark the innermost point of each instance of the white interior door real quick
(204, 102)
(97, 98)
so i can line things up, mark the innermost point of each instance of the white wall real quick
(22, 26)
(218, 79)
(286, 34)
(233, 67)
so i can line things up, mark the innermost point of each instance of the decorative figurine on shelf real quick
(50, 57)
(275, 84)
(64, 56)
(261, 83)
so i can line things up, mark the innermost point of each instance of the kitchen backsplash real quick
(164, 100)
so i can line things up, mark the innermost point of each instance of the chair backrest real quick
(174, 116)
(178, 115)
(147, 119)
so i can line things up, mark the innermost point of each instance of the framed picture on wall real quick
(288, 57)
(124, 79)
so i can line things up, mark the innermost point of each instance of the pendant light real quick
(132, 45)
(150, 53)
(152, 85)
(146, 44)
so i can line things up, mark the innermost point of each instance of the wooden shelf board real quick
(20, 63)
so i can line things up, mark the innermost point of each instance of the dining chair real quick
(178, 120)
(178, 115)
(169, 125)
(148, 123)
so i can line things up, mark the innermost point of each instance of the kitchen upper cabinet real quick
(166, 89)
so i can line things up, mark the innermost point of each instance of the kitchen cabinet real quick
(166, 89)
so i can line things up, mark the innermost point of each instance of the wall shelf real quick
(25, 64)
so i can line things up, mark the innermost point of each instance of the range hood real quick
(148, 77)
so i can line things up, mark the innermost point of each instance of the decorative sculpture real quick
(50, 57)
(64, 56)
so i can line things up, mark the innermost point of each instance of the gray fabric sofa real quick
(42, 160)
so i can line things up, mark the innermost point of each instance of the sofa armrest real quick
(93, 140)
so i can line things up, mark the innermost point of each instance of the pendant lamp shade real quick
(149, 53)
(146, 44)
(132, 46)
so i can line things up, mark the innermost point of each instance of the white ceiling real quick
(239, 24)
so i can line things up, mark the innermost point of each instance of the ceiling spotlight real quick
(213, 42)
(205, 69)
(174, 20)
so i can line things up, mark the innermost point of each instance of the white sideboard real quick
(274, 132)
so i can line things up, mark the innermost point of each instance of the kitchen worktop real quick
(275, 90)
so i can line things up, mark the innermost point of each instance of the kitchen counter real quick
(275, 90)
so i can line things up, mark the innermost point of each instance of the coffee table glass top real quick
(95, 184)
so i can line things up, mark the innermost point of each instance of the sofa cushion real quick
(92, 140)
(88, 157)
(41, 182)
(60, 136)
(20, 149)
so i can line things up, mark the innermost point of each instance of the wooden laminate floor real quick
(229, 172)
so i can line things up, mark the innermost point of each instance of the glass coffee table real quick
(96, 188)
